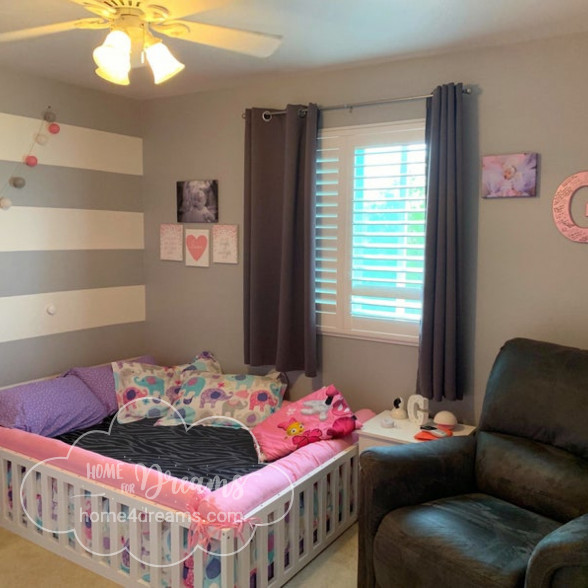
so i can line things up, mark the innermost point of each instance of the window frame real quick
(343, 323)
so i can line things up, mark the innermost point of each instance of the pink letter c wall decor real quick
(562, 202)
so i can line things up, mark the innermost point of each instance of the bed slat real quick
(134, 544)
(4, 506)
(155, 551)
(199, 559)
(176, 571)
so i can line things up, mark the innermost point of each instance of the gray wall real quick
(525, 278)
(34, 272)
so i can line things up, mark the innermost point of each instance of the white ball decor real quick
(5, 203)
(445, 419)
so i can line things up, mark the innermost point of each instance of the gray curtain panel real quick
(440, 327)
(279, 239)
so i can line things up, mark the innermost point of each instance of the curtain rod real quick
(267, 114)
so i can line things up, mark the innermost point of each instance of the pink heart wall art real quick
(197, 248)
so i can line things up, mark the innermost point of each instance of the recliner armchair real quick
(504, 508)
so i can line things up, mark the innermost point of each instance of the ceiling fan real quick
(130, 41)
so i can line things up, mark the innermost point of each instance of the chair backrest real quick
(533, 432)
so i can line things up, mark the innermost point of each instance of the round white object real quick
(398, 414)
(445, 419)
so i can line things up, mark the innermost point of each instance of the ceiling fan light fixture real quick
(163, 64)
(120, 77)
(116, 48)
(113, 58)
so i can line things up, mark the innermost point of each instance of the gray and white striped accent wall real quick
(72, 284)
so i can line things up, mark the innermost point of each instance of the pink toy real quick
(342, 427)
(323, 414)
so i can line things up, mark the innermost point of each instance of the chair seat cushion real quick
(472, 540)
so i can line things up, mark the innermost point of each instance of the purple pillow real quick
(100, 380)
(50, 407)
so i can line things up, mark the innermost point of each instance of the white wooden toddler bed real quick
(72, 502)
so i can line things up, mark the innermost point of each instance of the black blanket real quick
(203, 454)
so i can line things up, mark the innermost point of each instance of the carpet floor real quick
(25, 564)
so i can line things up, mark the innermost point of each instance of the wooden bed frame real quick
(324, 504)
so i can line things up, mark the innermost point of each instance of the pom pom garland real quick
(49, 116)
(17, 182)
(30, 160)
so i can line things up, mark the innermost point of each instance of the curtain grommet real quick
(266, 115)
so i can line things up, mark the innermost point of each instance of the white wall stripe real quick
(24, 317)
(25, 228)
(76, 147)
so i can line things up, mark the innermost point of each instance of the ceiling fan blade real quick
(173, 8)
(58, 27)
(248, 42)
(102, 8)
(180, 8)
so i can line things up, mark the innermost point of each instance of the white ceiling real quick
(316, 33)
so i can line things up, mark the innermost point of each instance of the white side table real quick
(372, 433)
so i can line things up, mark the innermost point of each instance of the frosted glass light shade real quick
(116, 77)
(163, 64)
(113, 58)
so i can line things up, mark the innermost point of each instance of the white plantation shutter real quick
(328, 231)
(371, 230)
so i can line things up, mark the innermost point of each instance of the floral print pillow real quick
(141, 388)
(247, 398)
(204, 362)
(147, 391)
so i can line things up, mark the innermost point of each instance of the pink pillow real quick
(323, 414)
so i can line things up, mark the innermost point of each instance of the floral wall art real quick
(509, 176)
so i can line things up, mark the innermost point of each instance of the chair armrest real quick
(402, 475)
(561, 558)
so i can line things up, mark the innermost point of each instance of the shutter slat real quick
(387, 212)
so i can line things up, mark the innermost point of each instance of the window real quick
(371, 230)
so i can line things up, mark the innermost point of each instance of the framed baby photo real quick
(197, 201)
(509, 176)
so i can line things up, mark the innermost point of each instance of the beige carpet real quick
(24, 564)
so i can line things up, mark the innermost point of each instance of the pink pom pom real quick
(54, 128)
(31, 160)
